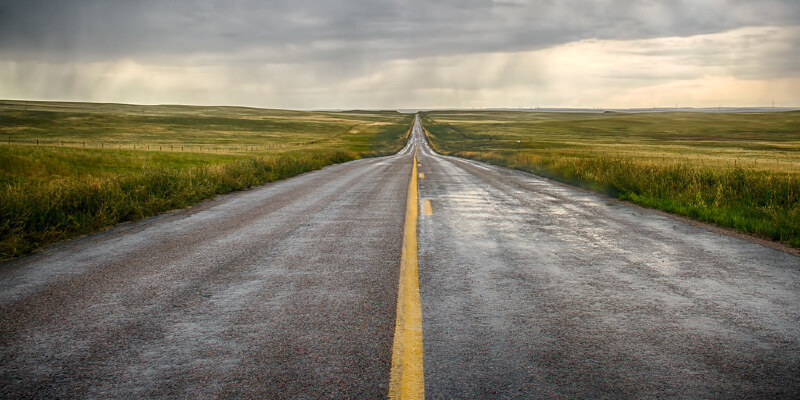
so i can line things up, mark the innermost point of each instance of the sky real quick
(324, 54)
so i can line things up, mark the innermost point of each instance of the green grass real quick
(96, 165)
(739, 171)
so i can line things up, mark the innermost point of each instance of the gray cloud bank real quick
(288, 31)
(357, 53)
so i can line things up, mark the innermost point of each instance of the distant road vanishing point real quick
(410, 275)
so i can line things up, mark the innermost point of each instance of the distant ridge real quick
(33, 104)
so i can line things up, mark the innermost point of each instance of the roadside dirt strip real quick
(466, 281)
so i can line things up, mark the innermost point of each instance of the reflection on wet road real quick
(534, 289)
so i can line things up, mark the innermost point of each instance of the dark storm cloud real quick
(362, 30)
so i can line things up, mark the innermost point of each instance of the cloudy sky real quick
(308, 54)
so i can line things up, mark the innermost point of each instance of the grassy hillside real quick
(68, 169)
(736, 170)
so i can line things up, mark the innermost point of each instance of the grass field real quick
(68, 169)
(740, 170)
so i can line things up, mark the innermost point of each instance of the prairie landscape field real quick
(68, 169)
(736, 170)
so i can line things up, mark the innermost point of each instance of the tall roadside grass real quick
(742, 195)
(750, 201)
(68, 169)
(38, 212)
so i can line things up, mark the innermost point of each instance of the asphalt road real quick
(284, 291)
(529, 289)
(533, 289)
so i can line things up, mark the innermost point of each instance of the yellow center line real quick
(406, 380)
(427, 209)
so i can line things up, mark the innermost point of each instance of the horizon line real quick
(423, 109)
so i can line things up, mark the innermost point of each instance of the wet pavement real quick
(529, 289)
(284, 291)
(533, 289)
